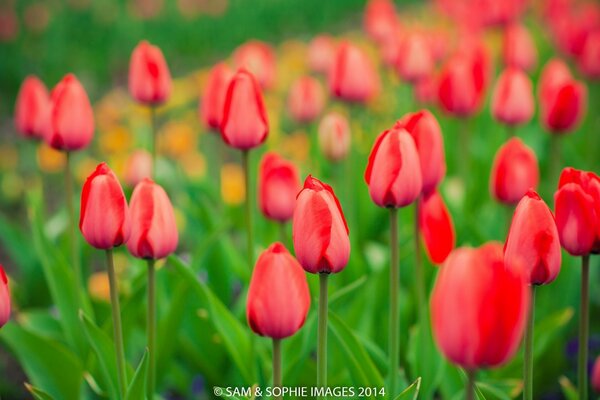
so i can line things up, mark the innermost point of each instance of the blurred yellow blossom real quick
(233, 189)
(295, 146)
(115, 140)
(12, 186)
(84, 168)
(98, 286)
(110, 110)
(177, 138)
(49, 159)
(193, 165)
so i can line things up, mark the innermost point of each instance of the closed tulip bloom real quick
(514, 172)
(589, 60)
(137, 167)
(306, 99)
(518, 48)
(353, 76)
(436, 227)
(393, 172)
(278, 297)
(458, 91)
(554, 75)
(278, 186)
(149, 75)
(427, 134)
(479, 307)
(577, 210)
(512, 99)
(70, 123)
(334, 136)
(104, 219)
(321, 52)
(153, 229)
(320, 232)
(4, 298)
(258, 58)
(31, 109)
(533, 239)
(564, 108)
(596, 375)
(380, 19)
(244, 124)
(213, 97)
(414, 59)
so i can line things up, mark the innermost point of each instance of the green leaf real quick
(502, 390)
(411, 392)
(137, 387)
(347, 290)
(38, 394)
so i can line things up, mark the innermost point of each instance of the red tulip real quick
(213, 97)
(321, 53)
(589, 60)
(278, 297)
(104, 219)
(459, 90)
(389, 48)
(573, 26)
(562, 111)
(278, 186)
(478, 308)
(4, 298)
(414, 59)
(353, 77)
(518, 48)
(554, 75)
(512, 99)
(258, 58)
(149, 75)
(137, 167)
(427, 134)
(533, 239)
(394, 173)
(70, 125)
(514, 172)
(596, 376)
(380, 19)
(436, 227)
(31, 110)
(320, 231)
(426, 90)
(306, 99)
(577, 208)
(153, 229)
(244, 125)
(334, 136)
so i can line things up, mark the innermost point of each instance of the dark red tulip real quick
(31, 110)
(555, 74)
(512, 99)
(149, 75)
(4, 298)
(213, 97)
(518, 48)
(278, 186)
(589, 60)
(306, 99)
(436, 227)
(258, 58)
(414, 59)
(353, 76)
(564, 108)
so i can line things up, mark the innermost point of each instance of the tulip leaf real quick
(411, 392)
(137, 387)
(38, 394)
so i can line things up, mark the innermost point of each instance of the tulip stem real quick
(151, 329)
(470, 389)
(419, 273)
(322, 332)
(277, 364)
(117, 326)
(464, 151)
(554, 157)
(394, 352)
(72, 227)
(583, 328)
(528, 366)
(282, 233)
(154, 127)
(249, 237)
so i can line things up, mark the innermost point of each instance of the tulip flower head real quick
(4, 298)
(278, 297)
(596, 376)
(414, 59)
(278, 186)
(589, 60)
(213, 97)
(380, 19)
(149, 75)
(31, 109)
(320, 231)
(321, 53)
(436, 227)
(306, 99)
(258, 58)
(518, 48)
(137, 167)
(334, 136)
(353, 77)
(512, 99)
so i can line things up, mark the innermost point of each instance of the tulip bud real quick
(533, 238)
(353, 77)
(427, 134)
(258, 58)
(393, 172)
(138, 167)
(153, 229)
(414, 59)
(380, 19)
(244, 124)
(334, 136)
(577, 209)
(589, 60)
(213, 97)
(478, 308)
(104, 219)
(306, 99)
(596, 376)
(278, 186)
(70, 125)
(436, 227)
(320, 232)
(512, 99)
(149, 75)
(514, 172)
(31, 109)
(278, 297)
(4, 298)
(321, 52)
(555, 74)
(518, 48)
(564, 108)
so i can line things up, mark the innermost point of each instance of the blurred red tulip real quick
(213, 97)
(353, 76)
(577, 209)
(461, 85)
(518, 48)
(596, 375)
(70, 125)
(244, 124)
(388, 49)
(278, 296)
(306, 99)
(555, 74)
(479, 308)
(320, 231)
(137, 167)
(427, 134)
(9, 24)
(153, 230)
(149, 75)
(278, 186)
(533, 239)
(573, 25)
(512, 99)
(321, 53)
(4, 298)
(426, 90)
(394, 172)
(258, 58)
(414, 59)
(514, 172)
(436, 227)
(104, 219)
(31, 109)
(564, 108)
(334, 136)
(380, 20)
(589, 60)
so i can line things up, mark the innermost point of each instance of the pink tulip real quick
(149, 75)
(278, 186)
(353, 77)
(334, 136)
(518, 48)
(31, 110)
(512, 99)
(213, 97)
(4, 298)
(321, 53)
(258, 58)
(306, 99)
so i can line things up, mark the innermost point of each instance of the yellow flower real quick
(98, 286)
(233, 189)
(49, 159)
(295, 146)
(177, 138)
(116, 140)
(193, 165)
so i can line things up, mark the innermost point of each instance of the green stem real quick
(154, 127)
(510, 131)
(394, 352)
(76, 264)
(283, 237)
(151, 329)
(322, 332)
(419, 273)
(470, 388)
(117, 326)
(277, 364)
(249, 236)
(528, 365)
(583, 328)
(555, 159)
(464, 151)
